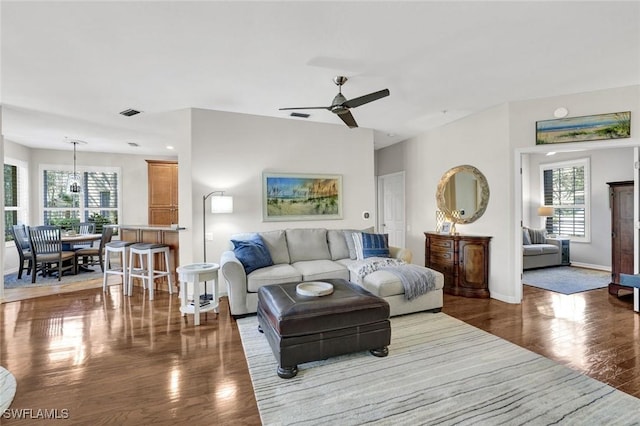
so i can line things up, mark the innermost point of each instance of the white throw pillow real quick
(357, 242)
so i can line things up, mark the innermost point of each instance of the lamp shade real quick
(545, 211)
(221, 204)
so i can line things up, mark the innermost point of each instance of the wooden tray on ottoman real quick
(306, 328)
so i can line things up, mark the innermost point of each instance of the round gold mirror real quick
(463, 194)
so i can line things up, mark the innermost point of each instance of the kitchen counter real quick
(150, 227)
(157, 234)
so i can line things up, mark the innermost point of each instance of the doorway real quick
(522, 195)
(391, 207)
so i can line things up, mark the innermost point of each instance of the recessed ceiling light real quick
(551, 153)
(169, 147)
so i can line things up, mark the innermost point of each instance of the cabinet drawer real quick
(441, 258)
(437, 244)
(447, 270)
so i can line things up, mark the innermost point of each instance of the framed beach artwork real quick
(301, 196)
(616, 125)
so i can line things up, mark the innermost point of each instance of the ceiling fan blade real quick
(348, 119)
(356, 102)
(321, 107)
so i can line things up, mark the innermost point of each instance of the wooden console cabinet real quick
(464, 261)
(621, 204)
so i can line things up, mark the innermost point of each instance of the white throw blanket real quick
(416, 280)
(362, 268)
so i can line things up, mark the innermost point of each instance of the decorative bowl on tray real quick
(314, 288)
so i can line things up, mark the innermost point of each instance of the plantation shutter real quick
(548, 197)
(10, 199)
(564, 188)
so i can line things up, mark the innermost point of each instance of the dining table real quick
(79, 238)
(70, 239)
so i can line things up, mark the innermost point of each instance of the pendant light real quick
(74, 178)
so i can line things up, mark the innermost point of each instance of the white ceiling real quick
(68, 68)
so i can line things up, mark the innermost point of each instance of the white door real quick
(391, 208)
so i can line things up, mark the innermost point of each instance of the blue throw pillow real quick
(252, 253)
(375, 245)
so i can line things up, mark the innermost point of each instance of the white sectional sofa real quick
(311, 254)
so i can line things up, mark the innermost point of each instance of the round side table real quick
(196, 273)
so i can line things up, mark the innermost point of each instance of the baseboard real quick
(506, 299)
(591, 266)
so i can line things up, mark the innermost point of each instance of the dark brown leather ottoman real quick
(307, 328)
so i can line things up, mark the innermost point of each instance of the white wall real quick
(231, 151)
(606, 165)
(489, 141)
(479, 140)
(2, 246)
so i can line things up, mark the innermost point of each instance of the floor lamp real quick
(220, 203)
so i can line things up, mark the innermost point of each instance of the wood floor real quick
(103, 358)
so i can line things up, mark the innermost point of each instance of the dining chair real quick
(84, 228)
(46, 248)
(89, 254)
(21, 240)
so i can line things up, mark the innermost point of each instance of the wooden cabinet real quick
(621, 204)
(464, 261)
(163, 192)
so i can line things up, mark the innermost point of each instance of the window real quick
(565, 186)
(15, 195)
(98, 200)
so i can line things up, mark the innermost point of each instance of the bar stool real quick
(121, 249)
(149, 273)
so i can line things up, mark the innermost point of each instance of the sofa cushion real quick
(538, 236)
(538, 249)
(375, 245)
(321, 269)
(276, 274)
(382, 284)
(276, 242)
(526, 237)
(307, 244)
(348, 237)
(252, 253)
(370, 245)
(337, 244)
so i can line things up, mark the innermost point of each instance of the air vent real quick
(129, 112)
(132, 144)
(300, 115)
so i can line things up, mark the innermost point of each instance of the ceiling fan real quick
(341, 105)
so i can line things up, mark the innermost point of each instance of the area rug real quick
(12, 281)
(7, 389)
(439, 371)
(566, 279)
